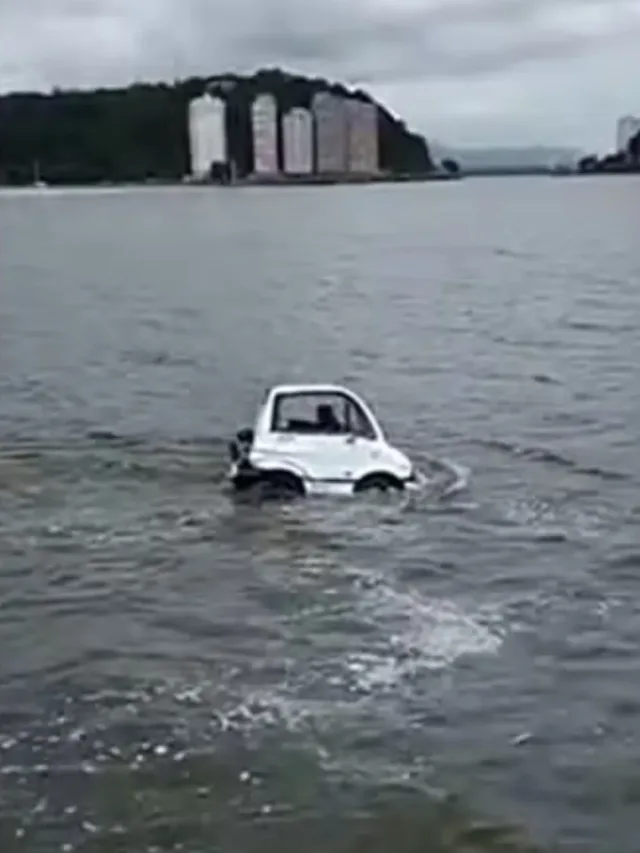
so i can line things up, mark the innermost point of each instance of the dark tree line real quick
(140, 132)
(451, 166)
(618, 162)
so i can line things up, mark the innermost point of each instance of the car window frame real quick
(346, 402)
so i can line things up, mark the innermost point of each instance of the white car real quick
(317, 439)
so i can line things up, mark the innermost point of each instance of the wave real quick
(548, 456)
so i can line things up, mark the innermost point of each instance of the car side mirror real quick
(351, 438)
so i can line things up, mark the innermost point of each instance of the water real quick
(179, 671)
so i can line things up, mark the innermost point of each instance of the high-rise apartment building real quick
(297, 142)
(362, 119)
(331, 133)
(207, 134)
(264, 125)
(627, 128)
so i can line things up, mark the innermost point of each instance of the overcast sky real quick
(464, 72)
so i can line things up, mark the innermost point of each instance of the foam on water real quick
(446, 477)
(322, 704)
(351, 647)
(423, 634)
(398, 636)
(546, 520)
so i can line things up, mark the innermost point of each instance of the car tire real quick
(379, 483)
(281, 484)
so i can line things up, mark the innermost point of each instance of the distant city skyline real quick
(628, 126)
(468, 72)
(336, 136)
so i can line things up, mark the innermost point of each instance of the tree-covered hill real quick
(140, 132)
(618, 162)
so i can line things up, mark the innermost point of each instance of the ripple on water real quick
(328, 685)
(178, 671)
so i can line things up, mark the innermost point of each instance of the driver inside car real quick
(327, 420)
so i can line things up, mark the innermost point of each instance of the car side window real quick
(359, 423)
(309, 414)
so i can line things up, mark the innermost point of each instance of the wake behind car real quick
(317, 439)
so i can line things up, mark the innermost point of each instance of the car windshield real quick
(320, 414)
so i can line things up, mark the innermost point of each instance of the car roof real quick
(311, 388)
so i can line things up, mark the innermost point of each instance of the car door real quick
(328, 458)
(340, 457)
(363, 441)
(319, 457)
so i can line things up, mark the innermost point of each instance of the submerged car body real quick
(317, 439)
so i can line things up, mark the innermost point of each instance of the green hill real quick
(140, 132)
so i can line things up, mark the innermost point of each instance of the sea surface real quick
(183, 671)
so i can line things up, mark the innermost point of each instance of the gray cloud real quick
(425, 55)
(442, 39)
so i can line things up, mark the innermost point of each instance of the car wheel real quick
(379, 483)
(281, 484)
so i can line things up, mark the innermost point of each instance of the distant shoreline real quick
(318, 180)
(249, 181)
